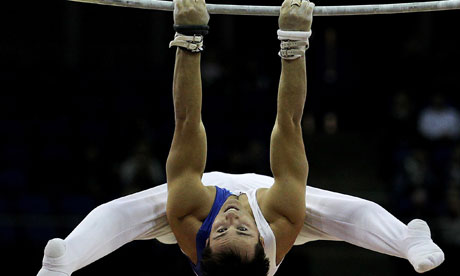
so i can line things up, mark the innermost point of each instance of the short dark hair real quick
(230, 262)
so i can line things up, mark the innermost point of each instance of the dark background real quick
(86, 116)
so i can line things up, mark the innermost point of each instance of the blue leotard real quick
(205, 229)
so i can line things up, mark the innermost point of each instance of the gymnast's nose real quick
(231, 215)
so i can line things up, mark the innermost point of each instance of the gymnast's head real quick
(235, 246)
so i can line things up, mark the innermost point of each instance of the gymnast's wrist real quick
(189, 37)
(293, 44)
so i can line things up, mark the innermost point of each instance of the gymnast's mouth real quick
(231, 208)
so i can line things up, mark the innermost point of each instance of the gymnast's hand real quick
(296, 15)
(190, 12)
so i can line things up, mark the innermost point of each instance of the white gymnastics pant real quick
(142, 216)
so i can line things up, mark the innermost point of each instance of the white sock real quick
(55, 248)
(422, 252)
(45, 272)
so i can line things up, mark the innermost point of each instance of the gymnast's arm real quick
(287, 153)
(187, 156)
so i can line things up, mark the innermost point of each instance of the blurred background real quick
(86, 116)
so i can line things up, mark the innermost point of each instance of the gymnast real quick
(239, 224)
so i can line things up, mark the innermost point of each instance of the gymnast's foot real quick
(54, 249)
(422, 252)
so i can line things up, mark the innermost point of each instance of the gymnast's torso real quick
(278, 233)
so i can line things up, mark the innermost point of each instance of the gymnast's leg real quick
(109, 226)
(330, 216)
(334, 216)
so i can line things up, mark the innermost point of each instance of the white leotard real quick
(142, 216)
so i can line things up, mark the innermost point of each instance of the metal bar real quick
(274, 10)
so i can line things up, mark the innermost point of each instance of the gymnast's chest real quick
(185, 231)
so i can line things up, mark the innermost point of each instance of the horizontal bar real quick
(274, 10)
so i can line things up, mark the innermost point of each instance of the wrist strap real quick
(293, 35)
(191, 43)
(293, 43)
(191, 29)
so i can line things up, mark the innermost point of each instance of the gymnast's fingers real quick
(307, 11)
(190, 12)
(297, 3)
(201, 2)
(286, 4)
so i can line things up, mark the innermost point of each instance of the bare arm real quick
(287, 153)
(187, 156)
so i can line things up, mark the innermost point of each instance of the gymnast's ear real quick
(261, 239)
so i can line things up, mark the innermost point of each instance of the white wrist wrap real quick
(293, 43)
(192, 43)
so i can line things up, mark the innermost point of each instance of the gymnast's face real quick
(234, 227)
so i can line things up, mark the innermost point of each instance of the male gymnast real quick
(239, 224)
